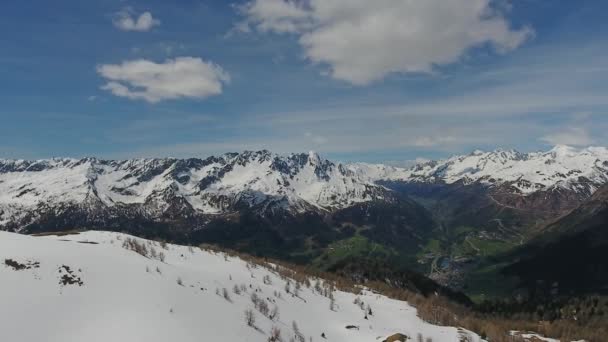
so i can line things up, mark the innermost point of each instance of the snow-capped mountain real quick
(90, 192)
(563, 167)
(184, 187)
(101, 286)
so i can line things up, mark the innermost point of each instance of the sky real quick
(383, 81)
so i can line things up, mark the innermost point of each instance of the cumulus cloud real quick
(363, 41)
(183, 77)
(574, 136)
(126, 20)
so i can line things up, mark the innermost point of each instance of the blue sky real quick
(297, 76)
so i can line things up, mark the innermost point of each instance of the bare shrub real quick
(135, 246)
(263, 308)
(297, 333)
(274, 314)
(255, 299)
(275, 335)
(249, 317)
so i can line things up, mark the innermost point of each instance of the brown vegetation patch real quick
(396, 338)
(68, 277)
(17, 266)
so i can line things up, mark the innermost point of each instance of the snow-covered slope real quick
(580, 170)
(91, 287)
(297, 183)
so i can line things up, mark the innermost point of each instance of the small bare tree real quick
(274, 314)
(297, 333)
(236, 289)
(255, 299)
(249, 317)
(288, 287)
(263, 307)
(275, 335)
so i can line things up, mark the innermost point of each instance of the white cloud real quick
(574, 136)
(182, 77)
(126, 20)
(281, 16)
(362, 41)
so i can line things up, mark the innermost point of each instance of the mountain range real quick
(266, 181)
(440, 218)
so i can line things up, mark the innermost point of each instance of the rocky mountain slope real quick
(297, 183)
(563, 167)
(488, 203)
(505, 192)
(571, 256)
(101, 286)
(157, 188)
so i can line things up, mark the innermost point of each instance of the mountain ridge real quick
(582, 170)
(269, 183)
(298, 182)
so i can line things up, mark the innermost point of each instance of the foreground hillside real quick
(101, 286)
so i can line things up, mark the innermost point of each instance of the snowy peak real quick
(217, 184)
(582, 170)
(266, 182)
